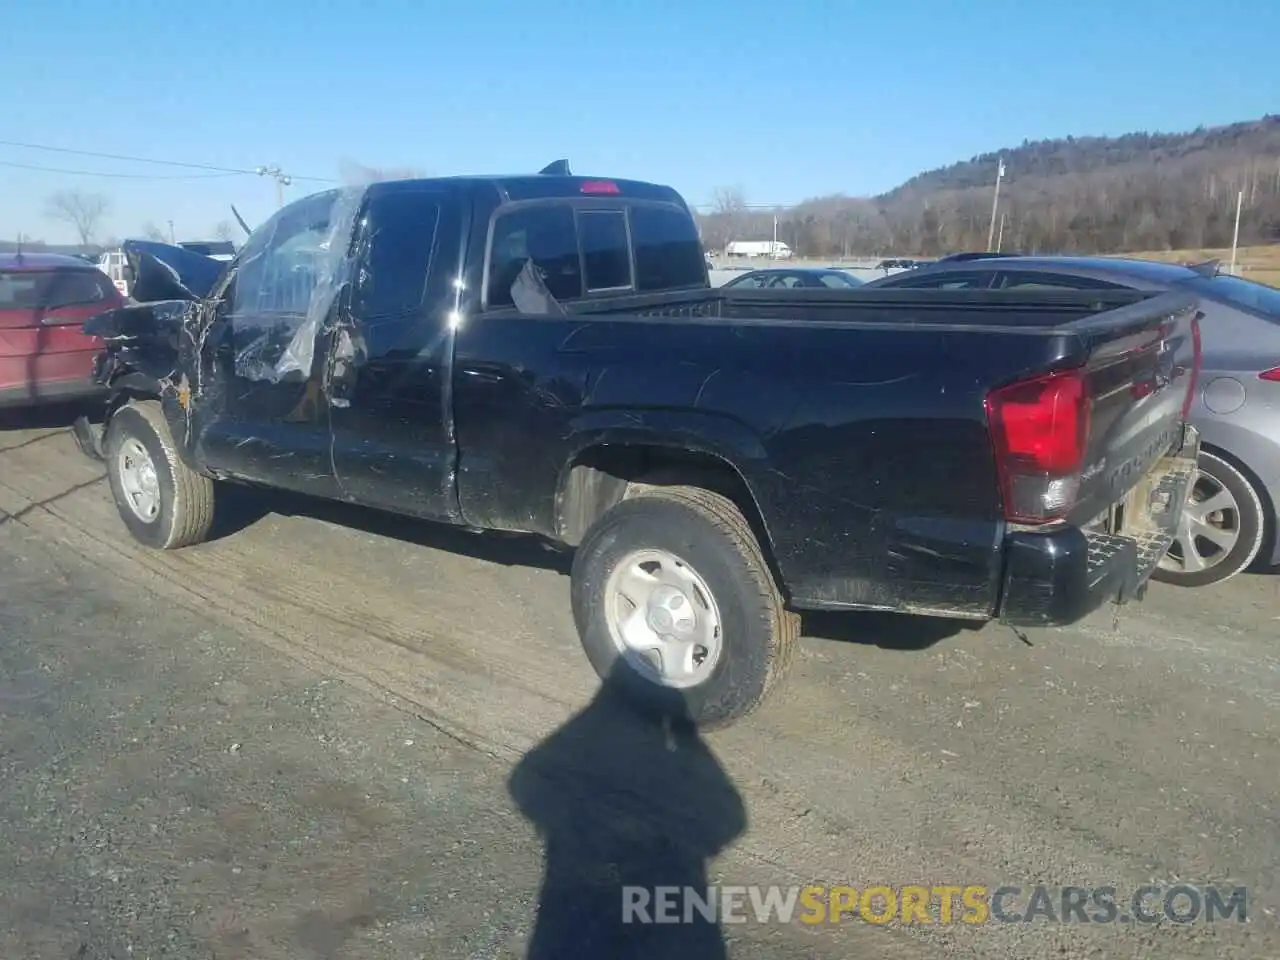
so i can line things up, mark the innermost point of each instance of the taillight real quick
(1271, 376)
(1195, 365)
(600, 186)
(1040, 428)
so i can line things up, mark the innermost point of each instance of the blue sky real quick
(785, 100)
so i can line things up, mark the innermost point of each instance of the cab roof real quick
(541, 186)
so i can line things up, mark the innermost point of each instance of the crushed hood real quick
(162, 271)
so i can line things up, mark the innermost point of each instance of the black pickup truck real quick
(543, 354)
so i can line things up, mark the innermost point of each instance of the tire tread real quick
(729, 520)
(191, 516)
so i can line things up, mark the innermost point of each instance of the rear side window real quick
(606, 255)
(668, 250)
(944, 281)
(545, 234)
(1053, 281)
(50, 289)
(393, 274)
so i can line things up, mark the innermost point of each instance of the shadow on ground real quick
(625, 804)
(241, 507)
(50, 416)
(891, 631)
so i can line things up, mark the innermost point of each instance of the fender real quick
(142, 336)
(714, 435)
(141, 356)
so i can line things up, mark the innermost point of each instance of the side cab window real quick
(397, 241)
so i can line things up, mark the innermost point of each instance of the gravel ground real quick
(329, 733)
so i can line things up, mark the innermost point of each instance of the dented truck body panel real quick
(356, 349)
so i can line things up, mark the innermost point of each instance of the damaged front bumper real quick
(1058, 577)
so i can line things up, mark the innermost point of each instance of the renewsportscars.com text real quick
(944, 904)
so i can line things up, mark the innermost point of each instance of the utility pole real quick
(1235, 238)
(773, 251)
(995, 205)
(1000, 235)
(281, 178)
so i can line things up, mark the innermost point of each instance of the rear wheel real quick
(1223, 527)
(164, 503)
(676, 606)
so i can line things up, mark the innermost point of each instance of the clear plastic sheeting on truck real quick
(289, 283)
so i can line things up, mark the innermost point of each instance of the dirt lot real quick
(333, 734)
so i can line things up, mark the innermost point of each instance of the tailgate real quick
(1141, 368)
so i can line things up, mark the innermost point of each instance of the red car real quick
(44, 299)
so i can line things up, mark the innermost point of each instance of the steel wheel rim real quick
(138, 480)
(663, 619)
(1210, 519)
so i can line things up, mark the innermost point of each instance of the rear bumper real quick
(1058, 577)
(56, 391)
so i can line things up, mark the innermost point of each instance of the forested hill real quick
(1139, 191)
(1171, 153)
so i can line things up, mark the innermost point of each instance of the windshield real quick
(1238, 292)
(50, 289)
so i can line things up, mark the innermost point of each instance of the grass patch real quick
(1261, 263)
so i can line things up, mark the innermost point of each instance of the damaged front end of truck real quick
(175, 343)
(152, 347)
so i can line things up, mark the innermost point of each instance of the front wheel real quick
(1223, 527)
(676, 606)
(164, 503)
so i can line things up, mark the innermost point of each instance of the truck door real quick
(389, 359)
(268, 422)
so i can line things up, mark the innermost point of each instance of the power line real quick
(119, 176)
(130, 159)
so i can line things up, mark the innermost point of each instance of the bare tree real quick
(152, 232)
(728, 201)
(223, 230)
(84, 211)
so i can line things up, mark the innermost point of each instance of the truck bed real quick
(1040, 311)
(856, 419)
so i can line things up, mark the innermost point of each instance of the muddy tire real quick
(164, 503)
(677, 609)
(1224, 528)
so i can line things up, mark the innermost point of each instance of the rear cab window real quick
(586, 249)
